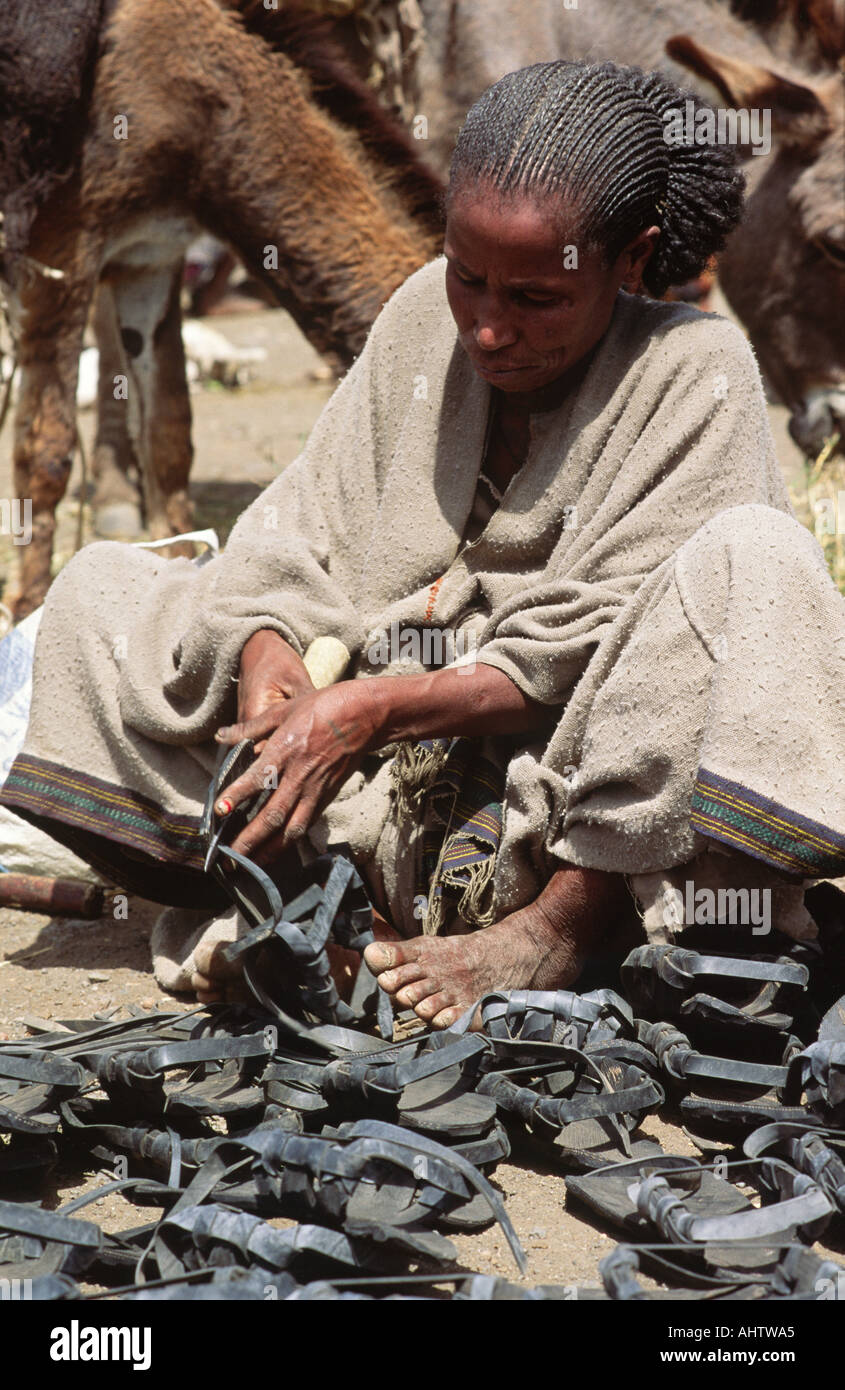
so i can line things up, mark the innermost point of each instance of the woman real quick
(576, 486)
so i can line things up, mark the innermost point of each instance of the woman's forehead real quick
(528, 227)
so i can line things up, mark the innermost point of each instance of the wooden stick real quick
(60, 897)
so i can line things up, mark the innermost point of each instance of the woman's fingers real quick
(259, 726)
(312, 745)
(264, 773)
(296, 825)
(285, 819)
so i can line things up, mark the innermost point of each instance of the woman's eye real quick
(465, 278)
(541, 299)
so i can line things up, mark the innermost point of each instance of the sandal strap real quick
(679, 967)
(632, 1099)
(805, 1149)
(656, 1202)
(677, 1056)
(370, 1074)
(46, 1070)
(24, 1219)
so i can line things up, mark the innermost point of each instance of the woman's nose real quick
(492, 329)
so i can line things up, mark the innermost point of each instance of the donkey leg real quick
(52, 323)
(171, 447)
(142, 298)
(117, 500)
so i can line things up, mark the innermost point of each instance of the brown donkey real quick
(193, 120)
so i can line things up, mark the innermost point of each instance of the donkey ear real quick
(798, 116)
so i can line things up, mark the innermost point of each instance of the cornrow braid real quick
(593, 134)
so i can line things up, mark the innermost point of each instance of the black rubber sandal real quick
(654, 1199)
(34, 1242)
(794, 1273)
(817, 1081)
(721, 1098)
(756, 994)
(284, 957)
(817, 1153)
(374, 1179)
(586, 1103)
(556, 1016)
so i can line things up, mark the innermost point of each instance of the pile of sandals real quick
(303, 1106)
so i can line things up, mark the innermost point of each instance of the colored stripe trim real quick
(765, 829)
(50, 791)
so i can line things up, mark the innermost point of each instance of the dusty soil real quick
(58, 969)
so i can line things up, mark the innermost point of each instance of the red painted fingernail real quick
(224, 806)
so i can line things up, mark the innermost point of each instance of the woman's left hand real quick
(311, 745)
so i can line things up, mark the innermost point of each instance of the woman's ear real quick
(636, 256)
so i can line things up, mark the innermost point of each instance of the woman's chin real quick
(519, 378)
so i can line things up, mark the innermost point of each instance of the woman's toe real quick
(446, 1018)
(215, 995)
(411, 995)
(429, 1008)
(392, 980)
(380, 956)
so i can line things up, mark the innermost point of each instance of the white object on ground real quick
(209, 357)
(215, 356)
(24, 849)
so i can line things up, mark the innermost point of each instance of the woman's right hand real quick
(270, 671)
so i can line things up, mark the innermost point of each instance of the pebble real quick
(96, 977)
(147, 1003)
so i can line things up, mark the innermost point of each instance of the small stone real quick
(147, 1003)
(97, 977)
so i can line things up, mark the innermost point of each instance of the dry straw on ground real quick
(819, 500)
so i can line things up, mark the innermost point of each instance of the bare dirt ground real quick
(58, 969)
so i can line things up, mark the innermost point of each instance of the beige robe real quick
(586, 588)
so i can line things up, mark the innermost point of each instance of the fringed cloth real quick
(456, 792)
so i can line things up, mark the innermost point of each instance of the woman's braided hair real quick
(594, 133)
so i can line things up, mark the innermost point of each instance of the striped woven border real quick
(465, 806)
(53, 792)
(766, 830)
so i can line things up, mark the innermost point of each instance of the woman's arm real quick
(473, 700)
(311, 744)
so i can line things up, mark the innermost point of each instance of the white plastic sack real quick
(24, 849)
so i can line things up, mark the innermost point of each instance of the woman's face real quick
(524, 318)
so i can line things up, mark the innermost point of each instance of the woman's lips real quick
(490, 370)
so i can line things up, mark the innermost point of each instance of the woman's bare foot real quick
(188, 956)
(542, 946)
(187, 948)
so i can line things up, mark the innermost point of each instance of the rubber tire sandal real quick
(721, 1098)
(679, 1201)
(294, 934)
(758, 994)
